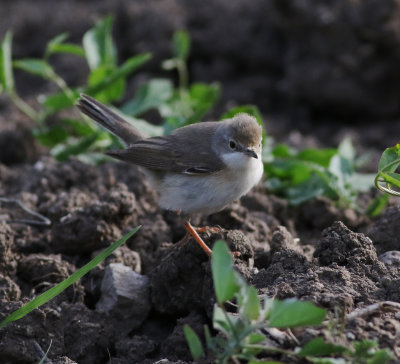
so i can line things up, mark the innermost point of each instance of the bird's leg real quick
(192, 231)
(206, 229)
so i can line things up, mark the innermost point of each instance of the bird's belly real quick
(209, 193)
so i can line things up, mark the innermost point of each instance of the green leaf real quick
(318, 347)
(319, 156)
(249, 303)
(256, 338)
(181, 44)
(122, 71)
(195, 346)
(202, 99)
(60, 287)
(68, 48)
(38, 67)
(307, 190)
(220, 321)
(225, 283)
(59, 101)
(99, 46)
(377, 205)
(63, 151)
(6, 72)
(57, 45)
(294, 313)
(114, 90)
(51, 136)
(264, 362)
(390, 159)
(149, 96)
(381, 357)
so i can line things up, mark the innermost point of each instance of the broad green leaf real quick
(79, 127)
(149, 96)
(202, 99)
(181, 44)
(382, 356)
(60, 287)
(221, 322)
(122, 71)
(390, 159)
(319, 156)
(59, 101)
(114, 90)
(225, 284)
(318, 347)
(195, 346)
(294, 313)
(307, 190)
(249, 303)
(38, 67)
(99, 46)
(51, 136)
(264, 362)
(377, 205)
(256, 338)
(63, 151)
(6, 72)
(282, 151)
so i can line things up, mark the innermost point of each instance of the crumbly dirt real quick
(280, 58)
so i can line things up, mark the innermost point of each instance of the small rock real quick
(125, 295)
(391, 258)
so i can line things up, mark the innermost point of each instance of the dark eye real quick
(232, 144)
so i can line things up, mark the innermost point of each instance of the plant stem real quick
(60, 82)
(23, 106)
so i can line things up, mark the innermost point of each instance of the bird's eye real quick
(232, 144)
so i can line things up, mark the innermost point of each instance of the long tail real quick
(109, 119)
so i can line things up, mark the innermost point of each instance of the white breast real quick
(211, 193)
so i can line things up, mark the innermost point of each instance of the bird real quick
(198, 168)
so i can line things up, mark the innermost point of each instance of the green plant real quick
(106, 81)
(241, 335)
(302, 175)
(387, 178)
(60, 287)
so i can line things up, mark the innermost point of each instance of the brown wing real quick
(186, 150)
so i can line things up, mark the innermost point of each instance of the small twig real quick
(372, 309)
(42, 220)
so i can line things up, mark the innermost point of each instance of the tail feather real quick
(109, 120)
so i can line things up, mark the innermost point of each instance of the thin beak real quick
(250, 153)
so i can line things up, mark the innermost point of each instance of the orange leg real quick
(205, 229)
(192, 231)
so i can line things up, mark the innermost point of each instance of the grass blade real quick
(60, 287)
(6, 72)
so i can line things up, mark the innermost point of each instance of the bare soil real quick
(280, 58)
